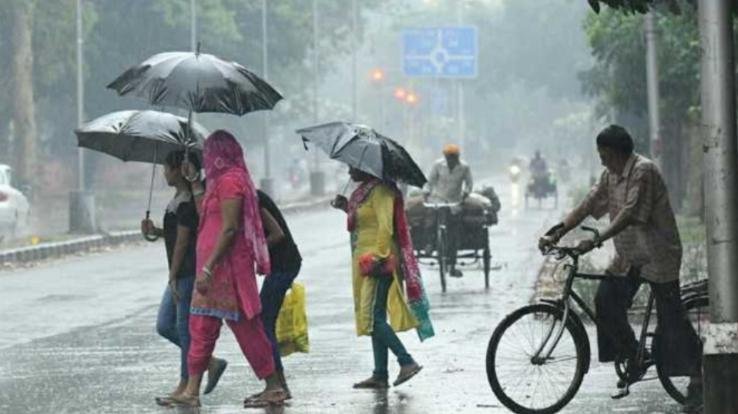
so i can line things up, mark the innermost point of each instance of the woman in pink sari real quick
(231, 249)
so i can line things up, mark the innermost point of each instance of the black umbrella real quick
(197, 82)
(365, 149)
(145, 136)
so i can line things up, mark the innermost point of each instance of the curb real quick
(84, 244)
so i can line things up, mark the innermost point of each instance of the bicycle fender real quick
(579, 328)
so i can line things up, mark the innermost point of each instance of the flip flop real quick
(405, 376)
(192, 401)
(164, 401)
(267, 398)
(253, 397)
(215, 374)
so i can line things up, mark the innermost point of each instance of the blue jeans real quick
(384, 337)
(173, 319)
(272, 295)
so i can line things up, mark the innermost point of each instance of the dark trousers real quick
(272, 295)
(680, 345)
(454, 230)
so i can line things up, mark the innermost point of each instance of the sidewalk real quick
(72, 244)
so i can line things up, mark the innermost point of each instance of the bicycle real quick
(554, 356)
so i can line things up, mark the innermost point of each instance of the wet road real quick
(77, 335)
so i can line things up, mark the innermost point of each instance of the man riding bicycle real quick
(450, 181)
(647, 249)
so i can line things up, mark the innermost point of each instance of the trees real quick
(119, 34)
(618, 81)
(23, 108)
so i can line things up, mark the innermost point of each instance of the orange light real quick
(400, 93)
(377, 75)
(411, 98)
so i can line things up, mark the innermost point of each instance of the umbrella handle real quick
(190, 138)
(150, 237)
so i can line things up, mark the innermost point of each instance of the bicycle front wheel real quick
(529, 385)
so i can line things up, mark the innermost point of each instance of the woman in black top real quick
(286, 261)
(180, 237)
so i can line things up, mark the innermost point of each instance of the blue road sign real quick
(443, 52)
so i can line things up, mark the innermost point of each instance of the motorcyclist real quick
(450, 181)
(538, 167)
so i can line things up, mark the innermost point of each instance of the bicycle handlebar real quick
(591, 230)
(562, 251)
(440, 205)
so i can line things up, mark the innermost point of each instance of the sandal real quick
(164, 401)
(184, 400)
(406, 373)
(214, 375)
(253, 397)
(266, 398)
(372, 383)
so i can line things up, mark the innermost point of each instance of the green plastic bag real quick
(292, 326)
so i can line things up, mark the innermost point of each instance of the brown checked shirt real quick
(651, 243)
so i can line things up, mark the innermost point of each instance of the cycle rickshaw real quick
(431, 227)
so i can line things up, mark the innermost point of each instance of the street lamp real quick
(317, 178)
(377, 77)
(267, 183)
(82, 201)
(411, 98)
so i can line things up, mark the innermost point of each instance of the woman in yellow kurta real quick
(380, 266)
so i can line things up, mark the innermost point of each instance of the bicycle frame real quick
(565, 301)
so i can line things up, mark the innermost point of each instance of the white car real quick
(14, 208)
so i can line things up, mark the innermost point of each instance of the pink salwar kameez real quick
(233, 292)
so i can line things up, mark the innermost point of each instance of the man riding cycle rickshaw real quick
(450, 181)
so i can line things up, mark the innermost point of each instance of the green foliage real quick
(119, 34)
(618, 77)
(635, 6)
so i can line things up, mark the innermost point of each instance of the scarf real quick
(222, 155)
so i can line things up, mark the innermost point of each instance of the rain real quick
(393, 204)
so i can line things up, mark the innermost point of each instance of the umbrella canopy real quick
(197, 82)
(146, 136)
(364, 149)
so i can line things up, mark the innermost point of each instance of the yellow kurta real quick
(375, 234)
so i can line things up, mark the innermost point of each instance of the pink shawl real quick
(223, 154)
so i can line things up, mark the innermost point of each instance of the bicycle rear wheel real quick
(526, 386)
(676, 386)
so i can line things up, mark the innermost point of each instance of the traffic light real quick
(377, 75)
(400, 93)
